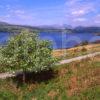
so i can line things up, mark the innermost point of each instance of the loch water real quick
(59, 40)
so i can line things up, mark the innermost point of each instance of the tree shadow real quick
(31, 77)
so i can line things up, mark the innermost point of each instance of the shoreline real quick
(95, 42)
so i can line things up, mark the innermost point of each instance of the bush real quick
(84, 43)
(27, 53)
(83, 49)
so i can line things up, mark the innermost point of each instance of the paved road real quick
(5, 75)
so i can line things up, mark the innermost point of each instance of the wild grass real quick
(76, 81)
(76, 51)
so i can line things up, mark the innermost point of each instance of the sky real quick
(51, 12)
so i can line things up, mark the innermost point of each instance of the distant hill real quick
(3, 23)
(6, 27)
(87, 29)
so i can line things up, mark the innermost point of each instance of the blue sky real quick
(51, 12)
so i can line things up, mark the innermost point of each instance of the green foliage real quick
(6, 95)
(26, 52)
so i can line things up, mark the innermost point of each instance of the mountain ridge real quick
(6, 27)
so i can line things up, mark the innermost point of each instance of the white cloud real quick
(82, 12)
(80, 19)
(18, 11)
(78, 13)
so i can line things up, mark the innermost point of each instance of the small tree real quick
(27, 52)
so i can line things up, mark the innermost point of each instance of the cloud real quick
(21, 14)
(82, 12)
(7, 16)
(18, 16)
(80, 19)
(18, 11)
(78, 13)
(71, 12)
(71, 2)
(79, 9)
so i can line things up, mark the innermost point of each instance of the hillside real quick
(87, 29)
(76, 81)
(6, 27)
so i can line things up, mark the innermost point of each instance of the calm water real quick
(65, 40)
(60, 40)
(4, 37)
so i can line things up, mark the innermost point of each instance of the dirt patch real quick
(73, 86)
(62, 72)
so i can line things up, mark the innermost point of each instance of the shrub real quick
(27, 52)
(84, 43)
(83, 49)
